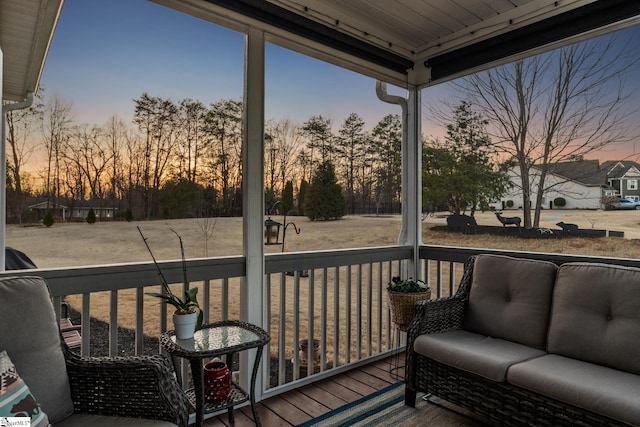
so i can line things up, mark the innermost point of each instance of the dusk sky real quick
(105, 53)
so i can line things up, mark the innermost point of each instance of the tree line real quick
(184, 158)
(180, 159)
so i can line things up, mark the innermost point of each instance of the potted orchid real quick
(187, 317)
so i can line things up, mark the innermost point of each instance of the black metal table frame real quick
(195, 359)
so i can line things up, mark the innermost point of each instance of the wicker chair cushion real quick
(596, 315)
(589, 386)
(30, 335)
(84, 420)
(510, 298)
(478, 354)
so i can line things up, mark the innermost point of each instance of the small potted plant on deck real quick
(403, 296)
(188, 316)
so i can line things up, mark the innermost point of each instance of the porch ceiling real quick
(403, 42)
(418, 42)
(26, 30)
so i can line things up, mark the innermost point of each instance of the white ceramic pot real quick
(185, 325)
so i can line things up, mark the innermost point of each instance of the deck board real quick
(311, 401)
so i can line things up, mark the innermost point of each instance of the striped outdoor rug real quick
(386, 408)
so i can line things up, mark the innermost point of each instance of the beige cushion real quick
(596, 315)
(83, 420)
(478, 354)
(510, 298)
(592, 387)
(30, 335)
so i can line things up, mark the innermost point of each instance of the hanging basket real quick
(402, 306)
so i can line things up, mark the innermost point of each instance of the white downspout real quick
(3, 163)
(411, 231)
(383, 95)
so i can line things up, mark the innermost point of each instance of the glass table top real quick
(216, 338)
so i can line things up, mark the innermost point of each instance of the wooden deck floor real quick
(311, 401)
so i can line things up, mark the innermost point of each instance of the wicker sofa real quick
(42, 379)
(525, 342)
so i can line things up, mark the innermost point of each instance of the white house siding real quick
(577, 195)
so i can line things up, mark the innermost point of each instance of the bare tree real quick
(386, 147)
(20, 127)
(114, 133)
(190, 138)
(224, 129)
(207, 226)
(156, 118)
(288, 142)
(56, 126)
(133, 173)
(91, 155)
(556, 107)
(351, 149)
(318, 130)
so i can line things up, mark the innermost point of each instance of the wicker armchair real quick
(78, 391)
(135, 387)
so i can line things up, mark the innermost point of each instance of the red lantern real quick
(217, 382)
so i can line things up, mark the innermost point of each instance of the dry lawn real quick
(78, 244)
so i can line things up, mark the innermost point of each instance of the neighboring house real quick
(582, 184)
(81, 212)
(40, 210)
(623, 177)
(74, 213)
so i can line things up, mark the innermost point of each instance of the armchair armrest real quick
(137, 387)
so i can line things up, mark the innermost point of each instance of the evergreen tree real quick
(48, 219)
(324, 200)
(287, 197)
(463, 174)
(91, 216)
(302, 193)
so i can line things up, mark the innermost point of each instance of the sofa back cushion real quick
(30, 335)
(596, 315)
(510, 298)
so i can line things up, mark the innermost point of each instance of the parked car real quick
(626, 204)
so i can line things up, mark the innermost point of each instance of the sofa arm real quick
(442, 314)
(439, 315)
(137, 387)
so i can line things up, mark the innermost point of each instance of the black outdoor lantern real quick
(272, 232)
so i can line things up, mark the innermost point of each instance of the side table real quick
(217, 339)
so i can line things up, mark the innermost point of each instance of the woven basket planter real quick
(402, 306)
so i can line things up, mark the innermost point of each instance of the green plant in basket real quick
(407, 285)
(403, 296)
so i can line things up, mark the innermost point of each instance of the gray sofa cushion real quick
(592, 387)
(596, 315)
(478, 354)
(30, 335)
(511, 299)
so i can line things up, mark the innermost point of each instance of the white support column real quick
(251, 287)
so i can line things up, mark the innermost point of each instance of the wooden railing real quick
(336, 299)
